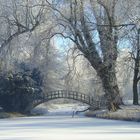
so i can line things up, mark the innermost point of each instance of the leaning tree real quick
(93, 27)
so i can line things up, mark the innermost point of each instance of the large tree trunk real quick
(109, 82)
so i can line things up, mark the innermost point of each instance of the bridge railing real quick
(70, 95)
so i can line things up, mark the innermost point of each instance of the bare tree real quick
(135, 56)
(92, 26)
(22, 17)
(132, 11)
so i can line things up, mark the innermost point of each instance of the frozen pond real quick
(67, 128)
(58, 124)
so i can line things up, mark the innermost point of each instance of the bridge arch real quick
(74, 95)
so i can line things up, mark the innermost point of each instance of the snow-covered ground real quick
(67, 128)
(129, 112)
(59, 109)
(59, 126)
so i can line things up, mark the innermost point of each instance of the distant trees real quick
(80, 76)
(133, 61)
(18, 17)
(132, 35)
(135, 56)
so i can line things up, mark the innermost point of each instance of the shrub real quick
(18, 89)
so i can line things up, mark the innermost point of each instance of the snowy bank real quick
(128, 113)
(4, 115)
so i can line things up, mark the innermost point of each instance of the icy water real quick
(67, 128)
(58, 124)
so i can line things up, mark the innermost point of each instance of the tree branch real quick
(19, 32)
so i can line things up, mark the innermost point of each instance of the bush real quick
(18, 89)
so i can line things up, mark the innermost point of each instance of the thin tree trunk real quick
(135, 90)
(135, 94)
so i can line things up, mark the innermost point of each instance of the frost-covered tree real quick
(18, 17)
(92, 26)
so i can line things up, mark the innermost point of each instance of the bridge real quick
(84, 98)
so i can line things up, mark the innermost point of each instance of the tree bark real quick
(136, 71)
(110, 86)
(135, 93)
(135, 90)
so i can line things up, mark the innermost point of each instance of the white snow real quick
(63, 127)
(129, 112)
(59, 109)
